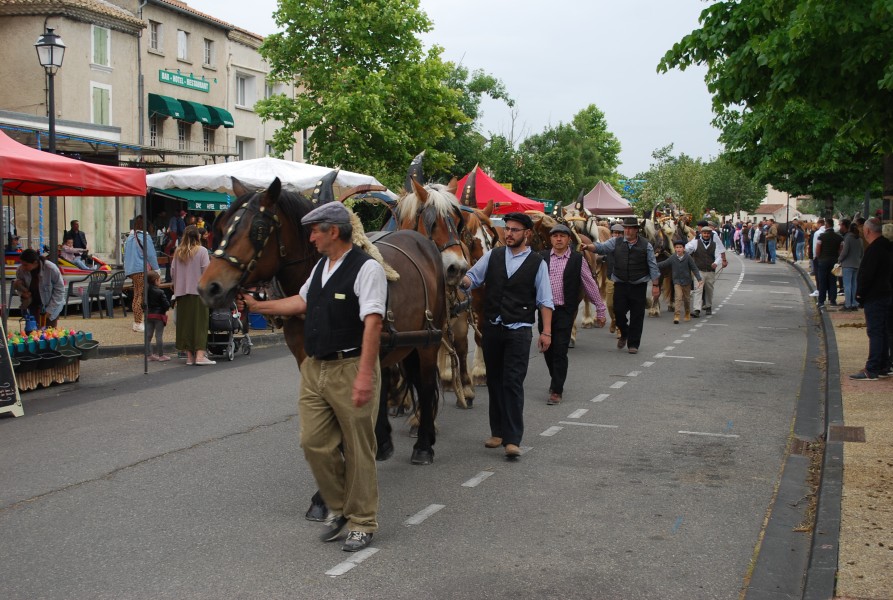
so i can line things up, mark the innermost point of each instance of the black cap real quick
(521, 218)
(702, 223)
(630, 222)
(678, 243)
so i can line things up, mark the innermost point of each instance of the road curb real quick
(257, 341)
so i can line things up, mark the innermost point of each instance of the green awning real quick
(165, 106)
(196, 113)
(220, 116)
(198, 199)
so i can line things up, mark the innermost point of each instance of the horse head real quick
(255, 245)
(434, 211)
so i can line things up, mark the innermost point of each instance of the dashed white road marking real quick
(551, 431)
(775, 281)
(634, 373)
(718, 324)
(578, 413)
(647, 363)
(673, 356)
(668, 348)
(686, 335)
(600, 398)
(781, 292)
(778, 328)
(589, 424)
(477, 479)
(419, 517)
(754, 362)
(780, 306)
(660, 355)
(618, 384)
(350, 563)
(678, 341)
(723, 435)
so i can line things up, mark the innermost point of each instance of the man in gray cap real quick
(569, 274)
(517, 284)
(707, 251)
(344, 300)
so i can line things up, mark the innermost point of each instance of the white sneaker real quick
(814, 294)
(139, 327)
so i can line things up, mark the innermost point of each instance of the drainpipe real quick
(140, 86)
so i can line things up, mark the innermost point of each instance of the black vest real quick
(704, 255)
(513, 298)
(570, 279)
(333, 311)
(631, 263)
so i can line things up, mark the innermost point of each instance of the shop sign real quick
(186, 81)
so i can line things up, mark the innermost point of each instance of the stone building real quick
(147, 83)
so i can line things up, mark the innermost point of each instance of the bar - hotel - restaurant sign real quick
(186, 81)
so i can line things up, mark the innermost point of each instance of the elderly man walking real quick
(708, 257)
(874, 289)
(634, 266)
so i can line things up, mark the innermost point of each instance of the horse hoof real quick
(469, 402)
(385, 451)
(422, 457)
(414, 431)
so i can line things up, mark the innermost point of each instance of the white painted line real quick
(578, 413)
(673, 356)
(600, 398)
(754, 362)
(723, 435)
(618, 384)
(745, 290)
(634, 373)
(589, 424)
(779, 328)
(647, 363)
(660, 355)
(477, 479)
(699, 325)
(718, 324)
(736, 304)
(423, 514)
(668, 348)
(350, 563)
(686, 335)
(776, 281)
(678, 341)
(780, 292)
(551, 431)
(692, 330)
(779, 306)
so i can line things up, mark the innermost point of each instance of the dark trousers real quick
(556, 355)
(827, 282)
(506, 355)
(630, 298)
(877, 315)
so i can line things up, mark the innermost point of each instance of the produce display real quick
(42, 339)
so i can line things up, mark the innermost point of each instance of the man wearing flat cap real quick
(344, 300)
(569, 275)
(707, 251)
(634, 267)
(517, 283)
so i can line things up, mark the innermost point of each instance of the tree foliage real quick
(730, 190)
(371, 98)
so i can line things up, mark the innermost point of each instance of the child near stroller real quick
(224, 328)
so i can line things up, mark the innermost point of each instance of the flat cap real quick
(708, 229)
(678, 243)
(331, 212)
(521, 218)
(559, 228)
(617, 227)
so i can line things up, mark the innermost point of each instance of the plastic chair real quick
(115, 289)
(92, 291)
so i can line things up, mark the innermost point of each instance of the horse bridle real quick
(261, 229)
(453, 239)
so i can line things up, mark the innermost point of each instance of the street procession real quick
(408, 299)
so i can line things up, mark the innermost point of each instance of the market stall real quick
(26, 171)
(506, 200)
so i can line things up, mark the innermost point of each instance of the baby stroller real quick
(223, 329)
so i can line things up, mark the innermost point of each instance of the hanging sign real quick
(186, 81)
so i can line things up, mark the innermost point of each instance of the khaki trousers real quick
(703, 296)
(339, 439)
(683, 297)
(609, 299)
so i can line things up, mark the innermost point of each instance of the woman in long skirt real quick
(189, 262)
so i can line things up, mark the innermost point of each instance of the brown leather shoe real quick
(493, 442)
(633, 350)
(553, 399)
(512, 451)
(621, 342)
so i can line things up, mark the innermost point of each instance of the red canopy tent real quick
(26, 171)
(603, 200)
(506, 200)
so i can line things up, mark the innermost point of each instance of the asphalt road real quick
(652, 479)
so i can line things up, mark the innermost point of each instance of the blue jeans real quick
(770, 249)
(877, 315)
(798, 252)
(849, 286)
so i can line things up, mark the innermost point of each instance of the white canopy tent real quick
(257, 172)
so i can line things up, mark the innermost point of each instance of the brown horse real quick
(263, 239)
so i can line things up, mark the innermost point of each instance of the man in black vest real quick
(634, 267)
(344, 300)
(517, 282)
(707, 254)
(568, 274)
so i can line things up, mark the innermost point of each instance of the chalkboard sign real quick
(9, 389)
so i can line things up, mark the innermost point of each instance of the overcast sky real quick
(557, 57)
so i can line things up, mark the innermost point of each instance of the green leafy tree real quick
(371, 98)
(659, 179)
(730, 190)
(833, 56)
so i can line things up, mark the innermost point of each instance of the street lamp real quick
(50, 52)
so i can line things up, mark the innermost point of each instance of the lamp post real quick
(50, 51)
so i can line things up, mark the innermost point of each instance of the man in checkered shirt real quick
(569, 274)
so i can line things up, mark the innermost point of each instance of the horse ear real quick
(271, 194)
(420, 192)
(239, 188)
(488, 210)
(415, 174)
(452, 186)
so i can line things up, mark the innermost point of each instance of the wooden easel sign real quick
(9, 389)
